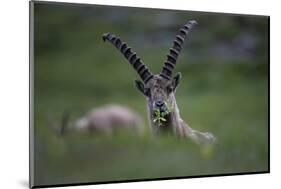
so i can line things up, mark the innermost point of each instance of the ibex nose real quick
(159, 103)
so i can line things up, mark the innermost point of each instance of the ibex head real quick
(159, 89)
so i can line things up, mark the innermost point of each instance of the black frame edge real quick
(31, 103)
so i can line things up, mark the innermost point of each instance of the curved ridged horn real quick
(170, 63)
(131, 56)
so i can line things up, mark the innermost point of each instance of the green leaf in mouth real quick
(159, 116)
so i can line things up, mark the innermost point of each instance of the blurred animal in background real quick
(159, 89)
(108, 118)
(58, 127)
(105, 120)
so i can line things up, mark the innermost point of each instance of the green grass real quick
(234, 109)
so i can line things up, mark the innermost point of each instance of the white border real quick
(14, 90)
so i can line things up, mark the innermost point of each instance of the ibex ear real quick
(176, 80)
(140, 86)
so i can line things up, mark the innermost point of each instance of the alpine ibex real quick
(160, 89)
(103, 120)
(109, 118)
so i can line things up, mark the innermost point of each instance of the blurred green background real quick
(224, 90)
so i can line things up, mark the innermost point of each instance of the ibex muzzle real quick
(159, 89)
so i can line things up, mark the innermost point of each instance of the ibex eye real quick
(147, 92)
(169, 89)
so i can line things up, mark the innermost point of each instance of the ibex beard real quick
(159, 89)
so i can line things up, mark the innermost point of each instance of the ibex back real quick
(159, 89)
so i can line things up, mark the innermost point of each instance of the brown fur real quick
(158, 90)
(103, 120)
(109, 118)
